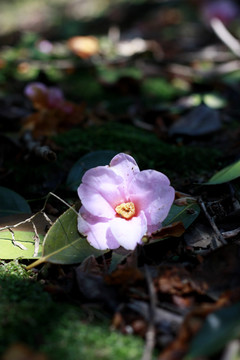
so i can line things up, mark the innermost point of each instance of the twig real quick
(235, 201)
(36, 237)
(150, 334)
(64, 202)
(225, 36)
(231, 233)
(36, 240)
(7, 227)
(212, 222)
(35, 147)
(47, 218)
(16, 243)
(231, 350)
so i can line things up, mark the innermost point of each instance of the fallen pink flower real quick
(121, 204)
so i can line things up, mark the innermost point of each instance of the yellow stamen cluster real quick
(126, 210)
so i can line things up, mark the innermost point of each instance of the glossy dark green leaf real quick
(63, 244)
(186, 214)
(12, 203)
(86, 162)
(227, 174)
(219, 328)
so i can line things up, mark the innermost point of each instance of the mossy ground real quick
(178, 162)
(149, 151)
(30, 316)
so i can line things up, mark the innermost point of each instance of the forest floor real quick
(152, 79)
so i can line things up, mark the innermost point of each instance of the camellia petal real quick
(151, 191)
(125, 166)
(96, 230)
(101, 191)
(129, 233)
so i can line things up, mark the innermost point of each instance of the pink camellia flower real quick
(121, 204)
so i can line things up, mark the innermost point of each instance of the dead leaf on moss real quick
(48, 122)
(54, 113)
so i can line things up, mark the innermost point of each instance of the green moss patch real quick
(145, 147)
(29, 315)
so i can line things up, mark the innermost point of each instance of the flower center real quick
(126, 210)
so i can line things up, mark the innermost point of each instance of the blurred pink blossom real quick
(34, 88)
(121, 204)
(45, 46)
(224, 10)
(47, 97)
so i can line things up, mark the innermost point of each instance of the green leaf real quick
(86, 162)
(111, 75)
(12, 203)
(24, 247)
(63, 244)
(160, 87)
(186, 214)
(214, 101)
(218, 328)
(228, 173)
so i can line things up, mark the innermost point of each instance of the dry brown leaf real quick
(174, 280)
(54, 114)
(192, 323)
(182, 199)
(48, 122)
(124, 276)
(176, 229)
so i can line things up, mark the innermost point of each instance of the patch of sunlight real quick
(22, 15)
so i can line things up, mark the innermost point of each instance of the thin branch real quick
(212, 222)
(225, 36)
(36, 236)
(231, 351)
(235, 201)
(64, 202)
(47, 218)
(36, 240)
(231, 233)
(150, 334)
(7, 227)
(36, 148)
(34, 215)
(16, 243)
